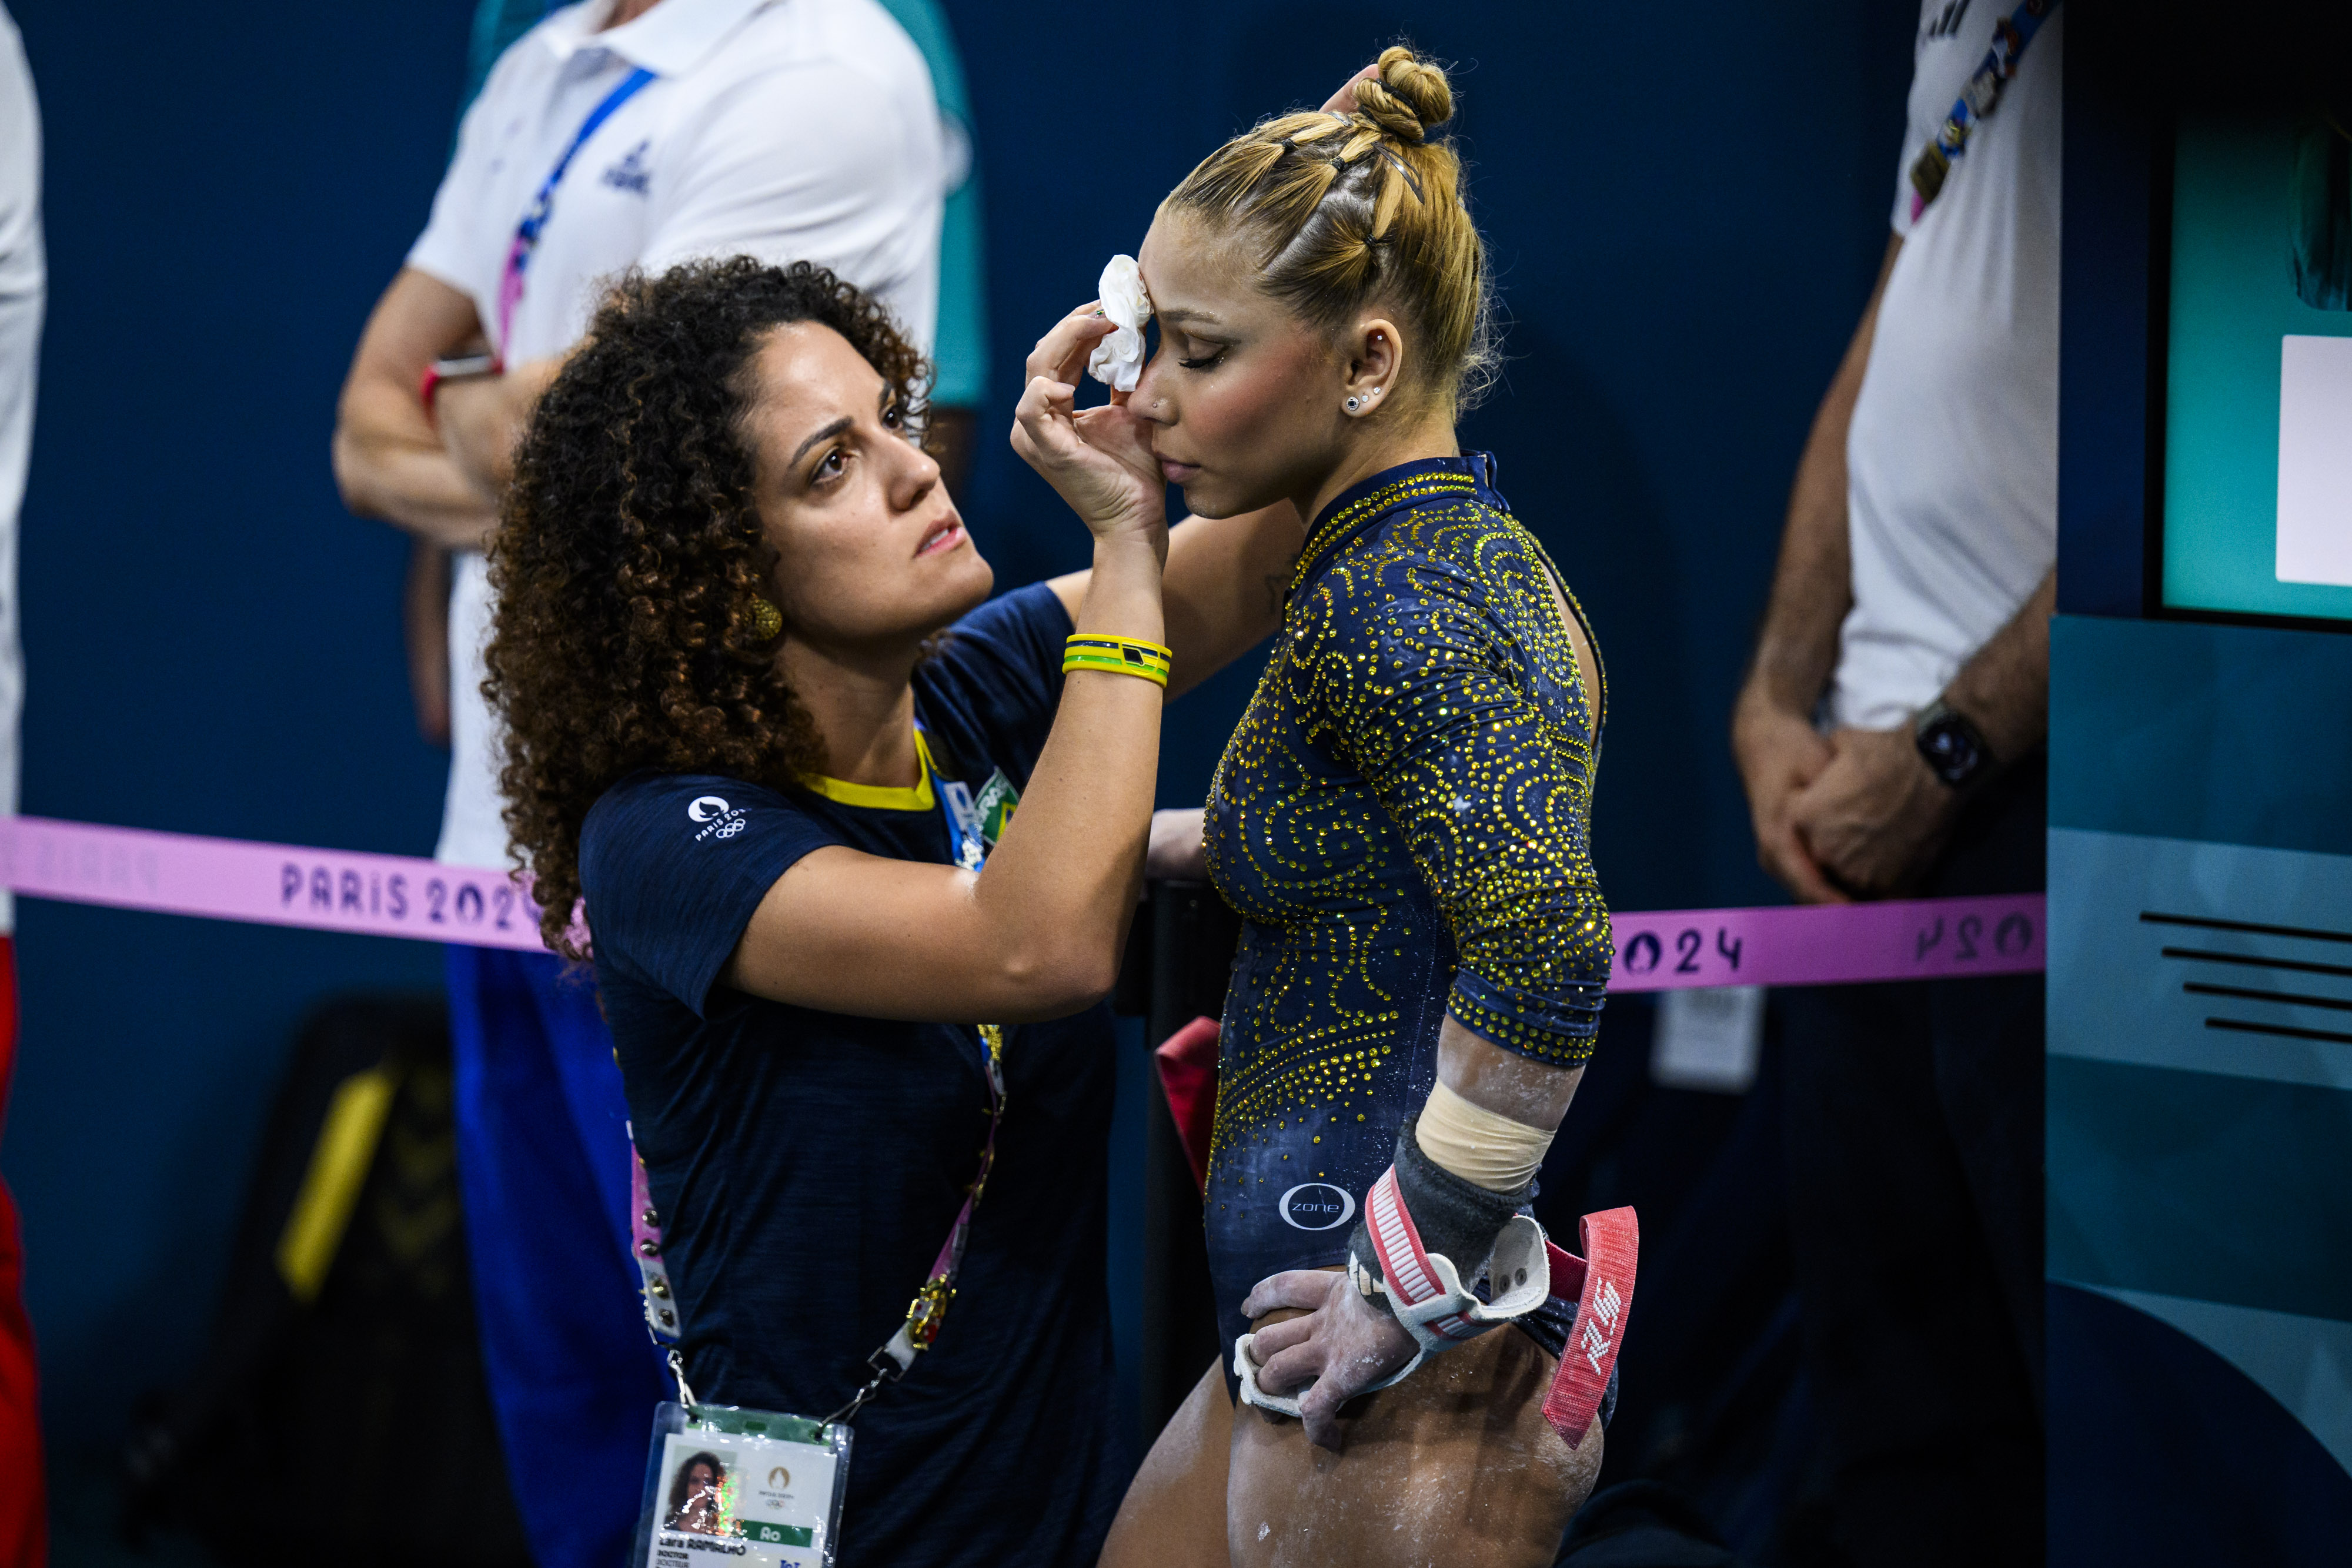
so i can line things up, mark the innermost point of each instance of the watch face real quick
(1949, 750)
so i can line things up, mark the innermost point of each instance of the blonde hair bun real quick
(1409, 99)
(1348, 212)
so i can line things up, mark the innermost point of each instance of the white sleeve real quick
(23, 274)
(24, 292)
(453, 247)
(24, 295)
(816, 161)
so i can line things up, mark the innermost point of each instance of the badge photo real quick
(750, 1487)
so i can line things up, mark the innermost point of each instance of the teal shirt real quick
(961, 352)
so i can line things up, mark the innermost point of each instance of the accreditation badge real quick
(727, 1486)
(995, 805)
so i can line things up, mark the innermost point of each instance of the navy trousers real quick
(543, 1163)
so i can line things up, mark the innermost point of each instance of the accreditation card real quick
(731, 1488)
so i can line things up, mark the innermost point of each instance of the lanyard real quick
(962, 812)
(1977, 100)
(927, 1311)
(930, 1308)
(534, 222)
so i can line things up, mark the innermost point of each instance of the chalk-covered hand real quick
(1343, 1346)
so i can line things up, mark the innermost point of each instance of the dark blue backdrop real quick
(1686, 205)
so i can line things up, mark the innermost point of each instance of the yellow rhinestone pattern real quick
(1403, 818)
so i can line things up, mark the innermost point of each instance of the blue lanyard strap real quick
(965, 837)
(534, 220)
(2009, 36)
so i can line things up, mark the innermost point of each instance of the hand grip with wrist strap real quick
(1419, 1218)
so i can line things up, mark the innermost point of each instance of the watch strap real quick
(462, 367)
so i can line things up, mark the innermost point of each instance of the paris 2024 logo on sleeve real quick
(724, 821)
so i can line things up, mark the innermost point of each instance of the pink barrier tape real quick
(271, 884)
(395, 896)
(1829, 944)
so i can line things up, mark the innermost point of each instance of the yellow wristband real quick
(1118, 655)
(1156, 673)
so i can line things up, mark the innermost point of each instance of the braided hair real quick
(1348, 211)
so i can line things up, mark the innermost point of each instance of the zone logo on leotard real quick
(725, 821)
(1317, 1205)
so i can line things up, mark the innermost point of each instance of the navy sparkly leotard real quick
(1402, 819)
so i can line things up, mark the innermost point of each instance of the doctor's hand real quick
(1098, 459)
(1343, 1346)
(1875, 818)
(1344, 101)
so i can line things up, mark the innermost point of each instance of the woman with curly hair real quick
(831, 953)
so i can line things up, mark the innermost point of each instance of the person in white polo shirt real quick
(615, 134)
(1891, 738)
(24, 294)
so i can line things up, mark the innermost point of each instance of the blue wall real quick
(213, 644)
(1686, 204)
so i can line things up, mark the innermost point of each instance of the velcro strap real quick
(1426, 1292)
(1603, 1282)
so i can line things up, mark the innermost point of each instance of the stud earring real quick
(767, 620)
(1351, 404)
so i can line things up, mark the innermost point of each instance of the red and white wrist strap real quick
(1424, 1288)
(1428, 1296)
(1603, 1282)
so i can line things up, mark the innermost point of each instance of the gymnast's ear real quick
(1373, 353)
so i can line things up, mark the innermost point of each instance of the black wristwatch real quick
(1953, 748)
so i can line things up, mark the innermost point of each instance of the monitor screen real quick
(2257, 489)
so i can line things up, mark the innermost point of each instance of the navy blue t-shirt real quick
(808, 1164)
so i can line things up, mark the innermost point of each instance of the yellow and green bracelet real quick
(1118, 655)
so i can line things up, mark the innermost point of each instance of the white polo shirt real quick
(23, 288)
(788, 129)
(1952, 457)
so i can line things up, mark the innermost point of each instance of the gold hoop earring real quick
(767, 620)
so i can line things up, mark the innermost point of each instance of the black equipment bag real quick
(341, 1406)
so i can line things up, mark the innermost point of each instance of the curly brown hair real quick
(629, 550)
